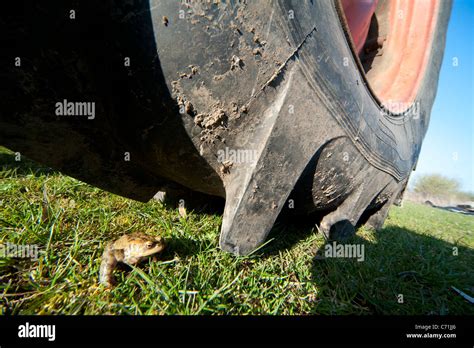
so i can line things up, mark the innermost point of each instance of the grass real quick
(413, 255)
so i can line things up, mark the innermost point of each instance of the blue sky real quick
(448, 148)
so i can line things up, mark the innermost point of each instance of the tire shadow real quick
(422, 269)
(22, 167)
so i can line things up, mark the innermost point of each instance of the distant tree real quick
(437, 185)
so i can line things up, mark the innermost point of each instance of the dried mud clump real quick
(215, 119)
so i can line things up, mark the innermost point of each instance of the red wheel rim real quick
(393, 41)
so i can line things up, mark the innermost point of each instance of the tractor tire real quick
(262, 103)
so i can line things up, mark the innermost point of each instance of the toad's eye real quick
(149, 245)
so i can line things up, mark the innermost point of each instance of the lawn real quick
(419, 254)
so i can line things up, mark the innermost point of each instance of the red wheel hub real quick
(402, 33)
